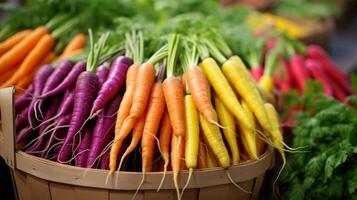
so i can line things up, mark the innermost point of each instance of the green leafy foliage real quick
(328, 130)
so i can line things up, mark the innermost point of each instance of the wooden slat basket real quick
(40, 179)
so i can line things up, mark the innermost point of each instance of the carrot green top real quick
(95, 50)
(173, 49)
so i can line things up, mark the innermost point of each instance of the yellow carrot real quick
(227, 120)
(238, 75)
(215, 141)
(248, 137)
(224, 90)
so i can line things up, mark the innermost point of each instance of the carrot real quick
(165, 139)
(202, 155)
(33, 59)
(26, 81)
(15, 55)
(174, 97)
(152, 121)
(211, 160)
(173, 91)
(13, 41)
(135, 139)
(238, 75)
(224, 90)
(123, 112)
(6, 75)
(191, 138)
(72, 53)
(198, 86)
(215, 141)
(77, 42)
(155, 110)
(145, 79)
(177, 151)
(227, 120)
(248, 137)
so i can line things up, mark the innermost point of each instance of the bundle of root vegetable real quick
(24, 52)
(92, 114)
(288, 64)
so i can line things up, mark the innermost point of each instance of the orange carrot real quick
(154, 113)
(6, 75)
(26, 81)
(174, 97)
(135, 139)
(198, 84)
(144, 81)
(13, 40)
(72, 53)
(123, 112)
(177, 151)
(33, 59)
(165, 141)
(77, 42)
(15, 55)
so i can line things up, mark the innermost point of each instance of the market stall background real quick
(341, 42)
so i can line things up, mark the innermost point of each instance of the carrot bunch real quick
(23, 53)
(186, 107)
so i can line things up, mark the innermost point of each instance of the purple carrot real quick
(114, 82)
(68, 82)
(104, 162)
(24, 100)
(21, 120)
(84, 96)
(300, 73)
(38, 84)
(103, 130)
(66, 104)
(58, 76)
(24, 134)
(58, 132)
(257, 72)
(40, 144)
(331, 69)
(102, 73)
(83, 147)
(319, 74)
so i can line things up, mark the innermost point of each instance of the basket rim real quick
(66, 174)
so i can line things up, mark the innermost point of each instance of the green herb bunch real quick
(328, 170)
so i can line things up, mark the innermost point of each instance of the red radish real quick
(103, 130)
(300, 73)
(68, 82)
(86, 90)
(257, 72)
(24, 100)
(338, 93)
(288, 73)
(316, 52)
(58, 133)
(319, 74)
(282, 85)
(83, 147)
(114, 82)
(102, 73)
(38, 83)
(331, 69)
